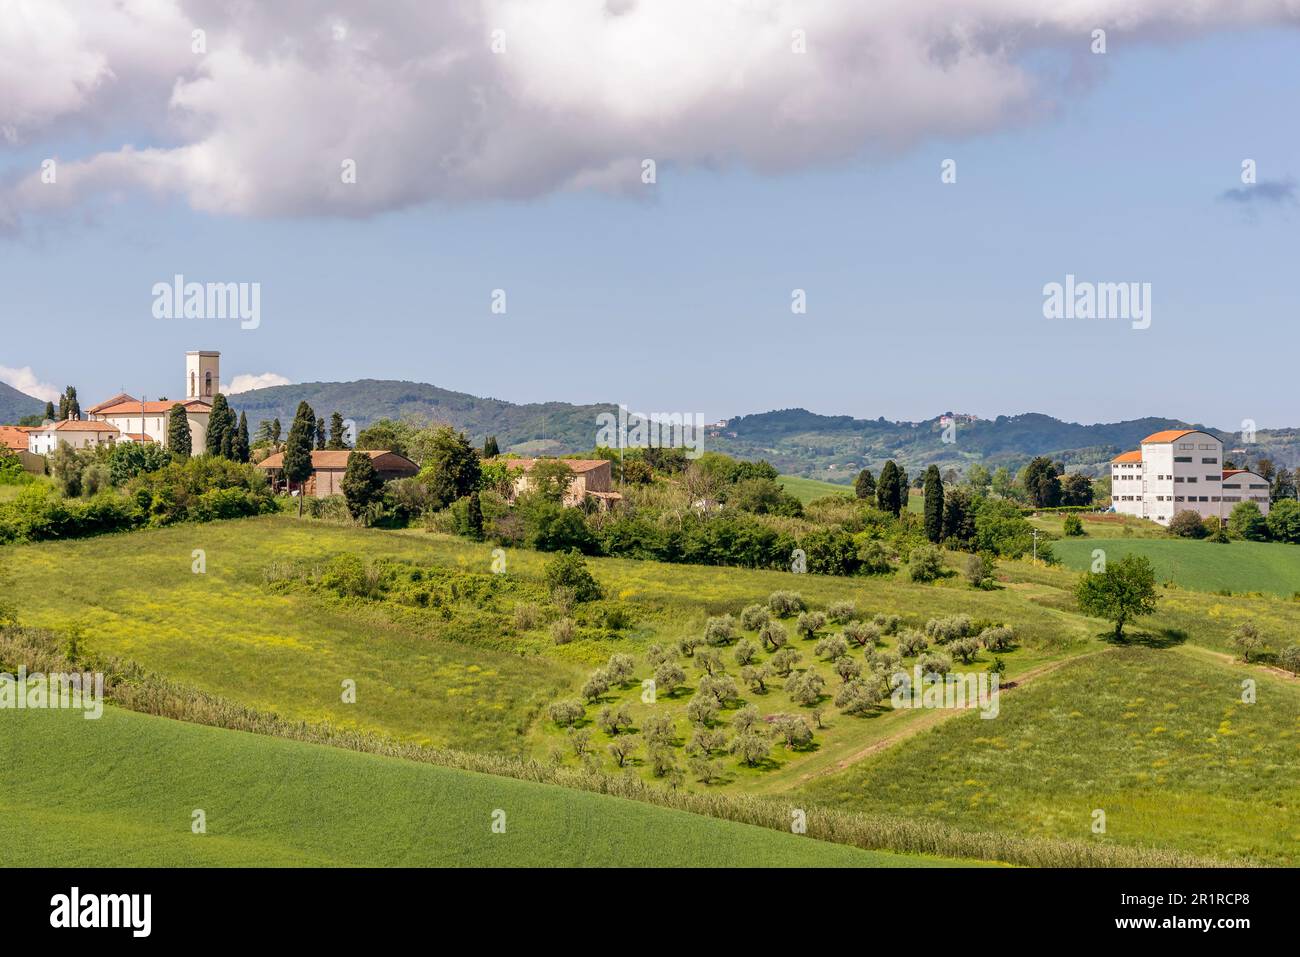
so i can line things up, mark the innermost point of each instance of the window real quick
(207, 383)
(1191, 478)
(1182, 458)
(1232, 485)
(1211, 478)
(1209, 460)
(1178, 478)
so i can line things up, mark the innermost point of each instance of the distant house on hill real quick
(329, 466)
(592, 480)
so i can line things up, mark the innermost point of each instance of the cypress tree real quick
(904, 488)
(933, 504)
(320, 434)
(474, 517)
(490, 448)
(239, 444)
(50, 411)
(179, 440)
(361, 483)
(865, 485)
(336, 433)
(297, 448)
(888, 494)
(220, 421)
(275, 432)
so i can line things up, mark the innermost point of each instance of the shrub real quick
(754, 617)
(935, 664)
(874, 558)
(562, 631)
(527, 616)
(842, 612)
(1284, 521)
(925, 564)
(997, 638)
(1248, 522)
(1247, 639)
(783, 604)
(912, 643)
(1289, 658)
(831, 647)
(567, 713)
(1073, 526)
(888, 624)
(857, 696)
(569, 570)
(862, 633)
(1187, 524)
(950, 628)
(980, 570)
(784, 661)
(809, 622)
(746, 652)
(720, 630)
(805, 687)
(965, 648)
(773, 634)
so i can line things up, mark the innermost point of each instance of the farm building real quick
(592, 480)
(329, 466)
(1182, 470)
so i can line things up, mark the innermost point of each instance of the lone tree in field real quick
(361, 483)
(298, 447)
(933, 504)
(889, 490)
(179, 441)
(864, 486)
(1126, 589)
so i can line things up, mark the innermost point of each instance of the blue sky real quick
(923, 297)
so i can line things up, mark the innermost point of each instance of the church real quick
(143, 421)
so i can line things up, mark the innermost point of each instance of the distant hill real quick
(556, 427)
(798, 442)
(15, 405)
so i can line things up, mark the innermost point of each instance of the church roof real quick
(152, 408)
(116, 400)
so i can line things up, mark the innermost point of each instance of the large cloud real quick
(260, 123)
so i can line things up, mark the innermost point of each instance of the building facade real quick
(139, 420)
(1181, 470)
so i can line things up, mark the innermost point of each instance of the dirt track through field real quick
(937, 716)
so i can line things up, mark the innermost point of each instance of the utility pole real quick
(1035, 533)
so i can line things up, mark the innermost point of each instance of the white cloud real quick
(260, 124)
(25, 380)
(247, 383)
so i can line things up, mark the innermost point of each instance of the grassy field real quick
(472, 676)
(1160, 741)
(1103, 525)
(122, 790)
(1206, 566)
(806, 489)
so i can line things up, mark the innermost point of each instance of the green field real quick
(121, 791)
(1206, 566)
(1160, 741)
(471, 675)
(807, 490)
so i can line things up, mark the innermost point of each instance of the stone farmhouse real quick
(592, 480)
(329, 466)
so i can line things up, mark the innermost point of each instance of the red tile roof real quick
(576, 465)
(1134, 456)
(108, 403)
(79, 425)
(14, 437)
(1168, 435)
(338, 459)
(153, 408)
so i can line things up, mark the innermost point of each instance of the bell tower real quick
(202, 375)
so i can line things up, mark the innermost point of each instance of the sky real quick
(520, 170)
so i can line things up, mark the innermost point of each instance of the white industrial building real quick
(1181, 470)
